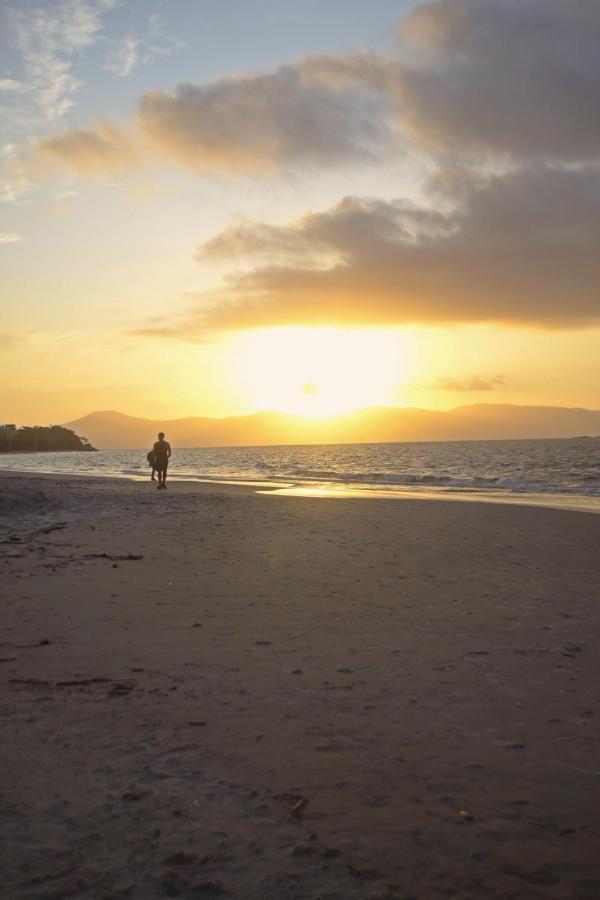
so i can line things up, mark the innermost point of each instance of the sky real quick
(212, 207)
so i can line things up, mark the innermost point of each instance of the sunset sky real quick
(211, 207)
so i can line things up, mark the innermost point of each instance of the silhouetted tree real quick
(41, 438)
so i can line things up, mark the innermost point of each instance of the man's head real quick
(161, 435)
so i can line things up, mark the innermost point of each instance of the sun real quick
(318, 372)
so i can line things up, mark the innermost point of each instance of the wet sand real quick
(209, 692)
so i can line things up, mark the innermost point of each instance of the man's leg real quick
(152, 478)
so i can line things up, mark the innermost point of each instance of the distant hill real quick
(481, 421)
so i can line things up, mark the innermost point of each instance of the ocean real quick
(545, 472)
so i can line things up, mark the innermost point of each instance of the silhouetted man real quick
(162, 455)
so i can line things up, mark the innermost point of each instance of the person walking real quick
(162, 455)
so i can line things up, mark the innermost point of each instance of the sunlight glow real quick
(319, 372)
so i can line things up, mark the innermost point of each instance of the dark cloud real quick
(520, 77)
(513, 78)
(322, 238)
(522, 247)
(302, 113)
(475, 383)
(504, 96)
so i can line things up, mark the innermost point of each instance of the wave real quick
(391, 481)
(260, 472)
(430, 480)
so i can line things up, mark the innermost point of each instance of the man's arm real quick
(169, 450)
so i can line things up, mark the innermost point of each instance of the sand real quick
(209, 692)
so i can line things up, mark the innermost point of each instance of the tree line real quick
(41, 438)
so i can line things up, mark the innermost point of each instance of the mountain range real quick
(110, 430)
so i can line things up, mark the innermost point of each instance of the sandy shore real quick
(207, 691)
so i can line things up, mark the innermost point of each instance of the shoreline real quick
(565, 502)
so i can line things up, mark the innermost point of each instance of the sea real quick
(563, 472)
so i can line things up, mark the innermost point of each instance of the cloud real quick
(15, 177)
(11, 85)
(105, 150)
(522, 247)
(9, 238)
(502, 96)
(320, 240)
(135, 49)
(124, 56)
(299, 115)
(303, 114)
(514, 80)
(261, 122)
(520, 77)
(475, 383)
(465, 79)
(49, 37)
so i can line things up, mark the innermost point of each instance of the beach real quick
(210, 691)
